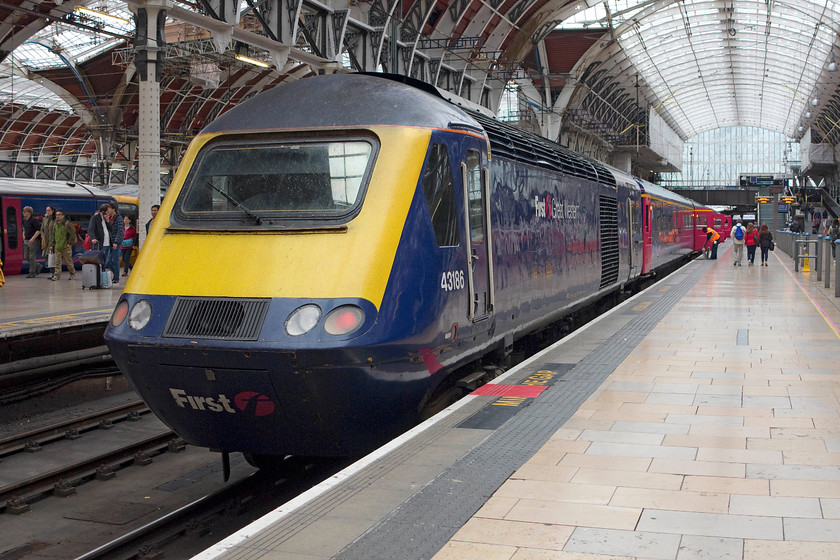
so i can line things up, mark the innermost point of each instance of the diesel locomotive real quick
(332, 251)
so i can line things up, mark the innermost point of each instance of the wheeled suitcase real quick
(91, 276)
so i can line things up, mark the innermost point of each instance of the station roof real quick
(713, 63)
(66, 74)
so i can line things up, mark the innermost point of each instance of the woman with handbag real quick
(765, 242)
(127, 244)
(46, 237)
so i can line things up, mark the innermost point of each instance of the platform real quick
(30, 305)
(697, 420)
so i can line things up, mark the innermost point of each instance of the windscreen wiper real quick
(250, 213)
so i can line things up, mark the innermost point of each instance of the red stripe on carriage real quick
(494, 390)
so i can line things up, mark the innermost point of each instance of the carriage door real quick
(647, 230)
(635, 237)
(477, 209)
(12, 244)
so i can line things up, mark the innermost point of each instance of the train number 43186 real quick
(452, 280)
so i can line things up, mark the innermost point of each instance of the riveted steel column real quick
(827, 257)
(817, 249)
(150, 49)
(836, 272)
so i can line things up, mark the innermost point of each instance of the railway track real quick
(53, 460)
(179, 534)
(41, 467)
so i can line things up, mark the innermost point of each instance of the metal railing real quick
(817, 251)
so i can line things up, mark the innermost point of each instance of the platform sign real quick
(783, 207)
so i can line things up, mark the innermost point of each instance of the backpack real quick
(739, 232)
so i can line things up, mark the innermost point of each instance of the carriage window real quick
(440, 196)
(12, 228)
(256, 182)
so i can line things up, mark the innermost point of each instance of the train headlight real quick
(140, 315)
(120, 313)
(303, 319)
(344, 320)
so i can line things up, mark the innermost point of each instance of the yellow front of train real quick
(303, 253)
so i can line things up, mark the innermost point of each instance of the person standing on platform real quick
(63, 237)
(834, 233)
(127, 244)
(31, 233)
(99, 231)
(154, 210)
(738, 234)
(117, 230)
(46, 233)
(751, 242)
(765, 241)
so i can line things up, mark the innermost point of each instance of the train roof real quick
(665, 194)
(397, 100)
(332, 100)
(45, 187)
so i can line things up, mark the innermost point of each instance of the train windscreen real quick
(270, 182)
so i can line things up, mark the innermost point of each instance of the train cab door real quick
(12, 244)
(476, 180)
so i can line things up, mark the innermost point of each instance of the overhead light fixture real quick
(832, 66)
(250, 60)
(801, 129)
(101, 15)
(815, 102)
(807, 114)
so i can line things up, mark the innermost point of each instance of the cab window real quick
(440, 196)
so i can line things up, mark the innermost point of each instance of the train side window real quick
(12, 227)
(717, 222)
(440, 196)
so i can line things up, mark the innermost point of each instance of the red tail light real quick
(344, 320)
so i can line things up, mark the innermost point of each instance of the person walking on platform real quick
(751, 242)
(710, 248)
(765, 241)
(63, 237)
(738, 235)
(46, 233)
(31, 233)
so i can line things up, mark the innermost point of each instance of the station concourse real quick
(700, 419)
